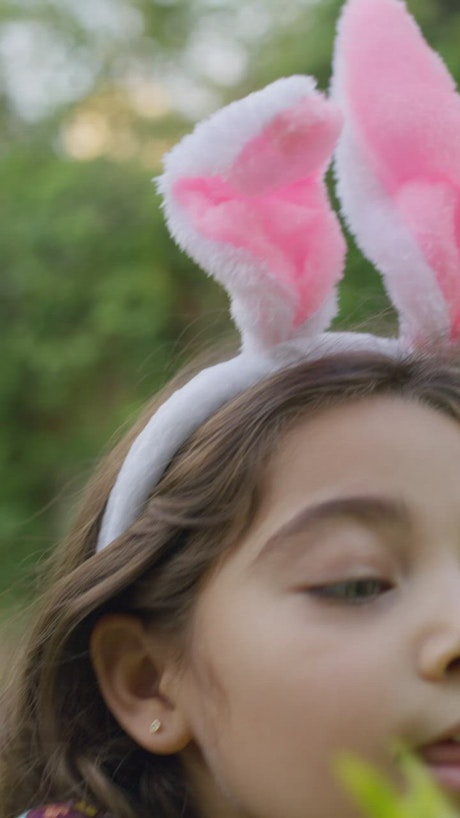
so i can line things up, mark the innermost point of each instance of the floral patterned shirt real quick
(70, 809)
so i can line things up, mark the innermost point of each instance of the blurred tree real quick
(94, 296)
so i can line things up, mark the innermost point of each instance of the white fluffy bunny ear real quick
(398, 163)
(245, 197)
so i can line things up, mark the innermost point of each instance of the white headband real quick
(245, 197)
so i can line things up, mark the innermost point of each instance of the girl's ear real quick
(138, 676)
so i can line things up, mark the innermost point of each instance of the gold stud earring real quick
(155, 726)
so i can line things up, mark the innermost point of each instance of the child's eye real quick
(354, 591)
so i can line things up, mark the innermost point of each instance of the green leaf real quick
(418, 797)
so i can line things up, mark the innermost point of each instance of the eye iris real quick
(361, 588)
(355, 590)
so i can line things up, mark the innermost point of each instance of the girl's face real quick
(335, 624)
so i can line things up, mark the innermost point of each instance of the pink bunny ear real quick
(245, 197)
(398, 162)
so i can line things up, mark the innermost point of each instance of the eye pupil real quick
(363, 588)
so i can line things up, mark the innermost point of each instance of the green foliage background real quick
(97, 306)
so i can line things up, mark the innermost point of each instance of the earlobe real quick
(137, 674)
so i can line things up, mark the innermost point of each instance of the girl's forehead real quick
(362, 428)
(392, 450)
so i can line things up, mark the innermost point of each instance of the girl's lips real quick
(443, 762)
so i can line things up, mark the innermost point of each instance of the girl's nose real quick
(439, 652)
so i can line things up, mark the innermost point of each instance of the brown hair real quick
(60, 741)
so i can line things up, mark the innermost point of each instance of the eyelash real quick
(360, 591)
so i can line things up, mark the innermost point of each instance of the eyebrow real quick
(368, 509)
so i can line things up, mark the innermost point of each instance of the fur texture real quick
(398, 162)
(245, 197)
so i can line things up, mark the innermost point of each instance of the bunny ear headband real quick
(245, 197)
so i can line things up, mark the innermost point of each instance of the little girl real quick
(266, 573)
